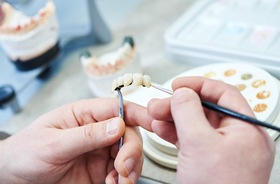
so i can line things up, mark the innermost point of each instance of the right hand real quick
(213, 148)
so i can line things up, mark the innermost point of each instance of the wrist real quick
(3, 174)
(6, 175)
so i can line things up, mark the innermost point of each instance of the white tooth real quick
(120, 81)
(137, 79)
(42, 11)
(146, 81)
(127, 79)
(114, 85)
(85, 61)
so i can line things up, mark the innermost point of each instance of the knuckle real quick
(183, 95)
(88, 133)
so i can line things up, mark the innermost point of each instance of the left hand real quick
(77, 143)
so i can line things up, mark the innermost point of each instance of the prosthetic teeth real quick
(129, 79)
(146, 82)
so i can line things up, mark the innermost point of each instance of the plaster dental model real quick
(111, 62)
(102, 70)
(29, 42)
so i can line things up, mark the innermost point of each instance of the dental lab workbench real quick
(147, 24)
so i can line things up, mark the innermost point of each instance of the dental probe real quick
(121, 115)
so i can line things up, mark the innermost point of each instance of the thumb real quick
(188, 115)
(79, 140)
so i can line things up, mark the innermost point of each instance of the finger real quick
(115, 150)
(164, 105)
(136, 115)
(165, 130)
(216, 92)
(112, 177)
(163, 124)
(133, 175)
(130, 153)
(188, 114)
(79, 140)
(95, 110)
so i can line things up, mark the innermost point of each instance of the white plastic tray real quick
(228, 31)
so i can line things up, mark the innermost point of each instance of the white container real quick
(227, 31)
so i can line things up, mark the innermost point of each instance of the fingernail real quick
(129, 165)
(133, 176)
(112, 126)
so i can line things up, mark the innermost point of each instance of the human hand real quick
(77, 143)
(213, 148)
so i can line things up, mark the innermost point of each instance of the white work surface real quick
(147, 24)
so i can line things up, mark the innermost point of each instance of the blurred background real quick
(80, 26)
(170, 37)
